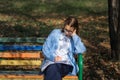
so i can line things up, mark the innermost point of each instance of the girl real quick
(59, 50)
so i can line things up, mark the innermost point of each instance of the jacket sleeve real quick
(48, 53)
(79, 46)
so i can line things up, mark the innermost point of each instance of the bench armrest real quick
(80, 65)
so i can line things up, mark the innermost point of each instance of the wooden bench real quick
(20, 59)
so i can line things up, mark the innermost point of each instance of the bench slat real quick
(20, 62)
(20, 47)
(21, 55)
(33, 77)
(19, 72)
(20, 39)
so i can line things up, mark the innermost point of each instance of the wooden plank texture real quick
(20, 62)
(20, 47)
(35, 79)
(20, 72)
(20, 39)
(21, 55)
(25, 77)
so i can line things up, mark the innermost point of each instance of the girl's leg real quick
(57, 71)
(66, 69)
(52, 72)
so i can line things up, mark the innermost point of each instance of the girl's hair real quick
(72, 22)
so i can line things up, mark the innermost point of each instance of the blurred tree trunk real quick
(114, 28)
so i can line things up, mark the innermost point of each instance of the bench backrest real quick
(24, 53)
(20, 53)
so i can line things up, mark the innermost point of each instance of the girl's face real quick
(68, 30)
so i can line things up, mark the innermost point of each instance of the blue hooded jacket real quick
(51, 45)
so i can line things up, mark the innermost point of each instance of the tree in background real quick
(114, 27)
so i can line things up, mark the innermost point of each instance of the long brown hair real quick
(72, 22)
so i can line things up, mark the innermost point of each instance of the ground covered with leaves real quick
(94, 32)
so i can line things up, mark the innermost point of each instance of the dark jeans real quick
(57, 71)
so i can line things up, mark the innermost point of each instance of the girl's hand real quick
(74, 32)
(58, 58)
